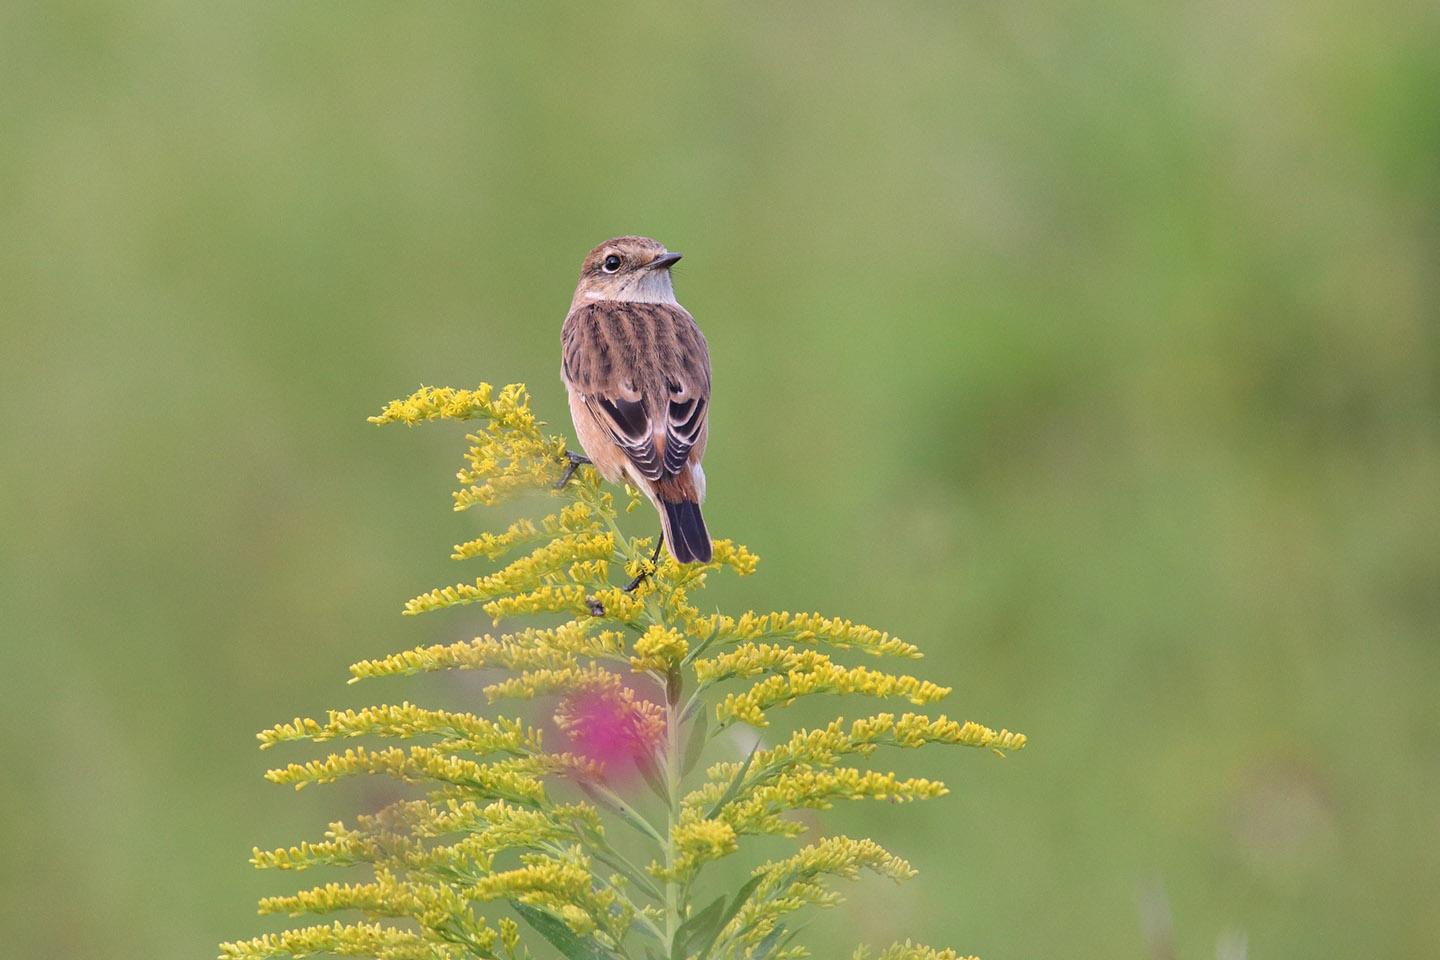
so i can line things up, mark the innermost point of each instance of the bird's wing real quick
(628, 424)
(643, 370)
(687, 411)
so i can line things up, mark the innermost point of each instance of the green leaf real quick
(740, 897)
(691, 705)
(645, 763)
(767, 946)
(561, 937)
(734, 789)
(700, 926)
(695, 652)
(626, 869)
(621, 809)
(696, 744)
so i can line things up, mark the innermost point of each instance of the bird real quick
(636, 369)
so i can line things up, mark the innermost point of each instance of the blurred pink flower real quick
(611, 727)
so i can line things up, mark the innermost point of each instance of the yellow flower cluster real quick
(511, 409)
(696, 842)
(547, 564)
(730, 554)
(792, 883)
(576, 518)
(634, 680)
(762, 809)
(511, 455)
(544, 880)
(659, 648)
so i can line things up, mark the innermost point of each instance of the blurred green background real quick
(1093, 348)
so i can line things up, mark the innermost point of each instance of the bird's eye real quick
(611, 264)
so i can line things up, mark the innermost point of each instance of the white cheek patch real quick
(594, 295)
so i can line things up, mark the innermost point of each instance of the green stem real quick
(673, 898)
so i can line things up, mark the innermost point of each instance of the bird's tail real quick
(685, 532)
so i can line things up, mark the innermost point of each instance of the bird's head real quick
(627, 268)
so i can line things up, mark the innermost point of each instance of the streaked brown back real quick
(644, 370)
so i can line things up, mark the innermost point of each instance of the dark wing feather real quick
(628, 424)
(685, 426)
(687, 378)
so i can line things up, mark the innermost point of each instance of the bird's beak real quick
(665, 261)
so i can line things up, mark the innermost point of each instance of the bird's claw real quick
(575, 460)
(647, 571)
(639, 579)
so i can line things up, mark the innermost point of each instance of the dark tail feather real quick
(685, 532)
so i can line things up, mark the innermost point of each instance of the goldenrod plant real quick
(517, 845)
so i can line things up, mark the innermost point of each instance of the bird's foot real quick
(575, 460)
(647, 571)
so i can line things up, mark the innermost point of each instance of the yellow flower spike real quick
(810, 629)
(577, 518)
(565, 599)
(509, 934)
(368, 897)
(804, 674)
(543, 882)
(528, 649)
(434, 403)
(758, 810)
(523, 575)
(492, 545)
(533, 683)
(405, 721)
(341, 939)
(508, 779)
(752, 659)
(495, 820)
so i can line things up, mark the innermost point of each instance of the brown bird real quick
(637, 370)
